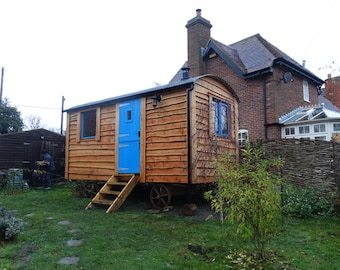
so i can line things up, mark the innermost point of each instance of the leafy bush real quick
(248, 194)
(306, 202)
(10, 226)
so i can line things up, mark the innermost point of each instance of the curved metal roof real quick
(150, 91)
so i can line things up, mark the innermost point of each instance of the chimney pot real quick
(198, 12)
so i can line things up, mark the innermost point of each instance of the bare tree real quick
(33, 122)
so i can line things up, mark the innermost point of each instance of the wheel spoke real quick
(160, 196)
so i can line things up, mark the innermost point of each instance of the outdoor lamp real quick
(155, 100)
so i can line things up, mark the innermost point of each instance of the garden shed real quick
(21, 150)
(164, 136)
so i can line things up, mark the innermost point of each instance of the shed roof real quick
(32, 132)
(151, 91)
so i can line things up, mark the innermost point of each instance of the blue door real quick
(129, 137)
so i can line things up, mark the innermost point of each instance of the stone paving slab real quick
(74, 231)
(64, 222)
(74, 243)
(69, 260)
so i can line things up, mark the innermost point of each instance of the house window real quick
(303, 129)
(305, 91)
(336, 126)
(290, 131)
(88, 124)
(221, 118)
(242, 136)
(319, 128)
(323, 138)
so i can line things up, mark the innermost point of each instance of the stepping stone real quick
(74, 243)
(30, 215)
(74, 230)
(49, 218)
(153, 211)
(69, 260)
(64, 222)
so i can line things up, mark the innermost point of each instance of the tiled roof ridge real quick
(270, 47)
(222, 47)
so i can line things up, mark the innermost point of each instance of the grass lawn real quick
(133, 238)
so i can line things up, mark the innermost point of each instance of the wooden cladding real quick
(91, 159)
(206, 146)
(166, 139)
(165, 147)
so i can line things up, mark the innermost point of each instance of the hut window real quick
(221, 118)
(88, 121)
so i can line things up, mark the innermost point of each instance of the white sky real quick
(87, 50)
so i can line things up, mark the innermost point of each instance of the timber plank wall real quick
(206, 147)
(166, 152)
(92, 159)
(165, 139)
(308, 162)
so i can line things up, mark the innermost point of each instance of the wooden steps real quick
(115, 191)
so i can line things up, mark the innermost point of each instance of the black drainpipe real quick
(265, 108)
(189, 186)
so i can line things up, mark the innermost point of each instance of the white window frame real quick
(304, 129)
(305, 91)
(319, 128)
(289, 131)
(336, 127)
(243, 136)
(323, 138)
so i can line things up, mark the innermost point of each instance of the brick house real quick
(267, 81)
(332, 90)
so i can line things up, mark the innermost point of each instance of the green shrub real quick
(248, 194)
(307, 202)
(10, 226)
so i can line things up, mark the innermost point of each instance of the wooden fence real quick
(308, 162)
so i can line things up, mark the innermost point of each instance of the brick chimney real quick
(332, 90)
(198, 37)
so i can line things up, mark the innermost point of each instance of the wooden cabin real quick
(21, 150)
(167, 135)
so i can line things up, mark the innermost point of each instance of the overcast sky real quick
(90, 50)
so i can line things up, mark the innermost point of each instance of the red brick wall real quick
(281, 98)
(332, 90)
(198, 37)
(286, 97)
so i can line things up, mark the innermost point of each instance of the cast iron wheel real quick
(160, 196)
(91, 189)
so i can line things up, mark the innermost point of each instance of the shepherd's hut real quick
(164, 136)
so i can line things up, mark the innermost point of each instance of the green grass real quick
(132, 238)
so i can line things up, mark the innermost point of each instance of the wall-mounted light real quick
(155, 100)
(42, 137)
